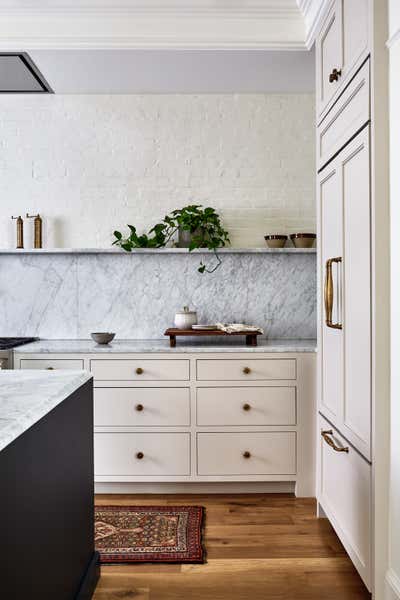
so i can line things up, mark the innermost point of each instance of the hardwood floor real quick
(259, 547)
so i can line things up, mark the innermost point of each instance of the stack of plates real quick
(204, 327)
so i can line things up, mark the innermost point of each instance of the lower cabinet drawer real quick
(140, 370)
(51, 363)
(142, 454)
(141, 407)
(251, 369)
(345, 495)
(246, 406)
(270, 453)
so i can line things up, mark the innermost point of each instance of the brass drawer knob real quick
(246, 370)
(246, 406)
(139, 407)
(334, 76)
(246, 454)
(50, 368)
(139, 371)
(139, 455)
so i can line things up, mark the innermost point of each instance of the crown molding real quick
(158, 24)
(314, 13)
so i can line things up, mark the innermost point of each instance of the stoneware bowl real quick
(102, 338)
(275, 240)
(303, 240)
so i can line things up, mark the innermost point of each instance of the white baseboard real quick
(264, 487)
(392, 585)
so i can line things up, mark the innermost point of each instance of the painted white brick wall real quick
(91, 164)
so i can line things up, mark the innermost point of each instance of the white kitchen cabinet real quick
(52, 363)
(141, 454)
(246, 369)
(344, 214)
(193, 415)
(345, 494)
(341, 46)
(141, 407)
(254, 453)
(271, 405)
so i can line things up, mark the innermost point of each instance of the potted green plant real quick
(197, 227)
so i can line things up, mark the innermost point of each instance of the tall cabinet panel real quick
(331, 236)
(344, 207)
(355, 167)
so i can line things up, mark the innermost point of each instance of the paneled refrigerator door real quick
(331, 335)
(355, 186)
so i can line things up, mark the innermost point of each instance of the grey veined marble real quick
(27, 396)
(70, 295)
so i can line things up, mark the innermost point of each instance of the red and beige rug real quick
(129, 534)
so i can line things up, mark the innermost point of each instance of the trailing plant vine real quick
(203, 224)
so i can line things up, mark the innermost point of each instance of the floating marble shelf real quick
(157, 251)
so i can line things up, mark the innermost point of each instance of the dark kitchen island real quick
(47, 486)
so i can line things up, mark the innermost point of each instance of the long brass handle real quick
(328, 293)
(331, 443)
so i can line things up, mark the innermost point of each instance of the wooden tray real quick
(251, 336)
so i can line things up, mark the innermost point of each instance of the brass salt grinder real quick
(38, 229)
(20, 232)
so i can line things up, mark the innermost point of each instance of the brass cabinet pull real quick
(328, 293)
(139, 455)
(246, 406)
(331, 443)
(246, 370)
(139, 371)
(139, 407)
(49, 368)
(334, 76)
(246, 454)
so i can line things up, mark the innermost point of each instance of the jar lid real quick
(186, 311)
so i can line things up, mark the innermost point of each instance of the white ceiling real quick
(165, 46)
(175, 71)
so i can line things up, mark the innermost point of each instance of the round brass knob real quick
(50, 368)
(139, 455)
(246, 406)
(246, 454)
(246, 370)
(139, 407)
(139, 371)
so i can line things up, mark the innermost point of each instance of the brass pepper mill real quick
(20, 232)
(38, 229)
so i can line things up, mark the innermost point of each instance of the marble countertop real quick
(27, 396)
(182, 346)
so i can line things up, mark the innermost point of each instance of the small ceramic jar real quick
(184, 319)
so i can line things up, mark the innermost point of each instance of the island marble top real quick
(27, 396)
(182, 346)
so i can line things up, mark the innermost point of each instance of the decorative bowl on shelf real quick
(303, 240)
(102, 337)
(275, 240)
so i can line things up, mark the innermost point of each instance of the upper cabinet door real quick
(341, 47)
(329, 57)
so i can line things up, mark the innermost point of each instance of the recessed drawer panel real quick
(348, 115)
(246, 406)
(344, 493)
(140, 370)
(137, 407)
(142, 454)
(51, 363)
(272, 453)
(246, 370)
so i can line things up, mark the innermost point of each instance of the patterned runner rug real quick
(127, 534)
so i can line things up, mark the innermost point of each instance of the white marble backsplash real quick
(68, 296)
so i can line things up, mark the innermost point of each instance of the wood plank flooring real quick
(259, 547)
